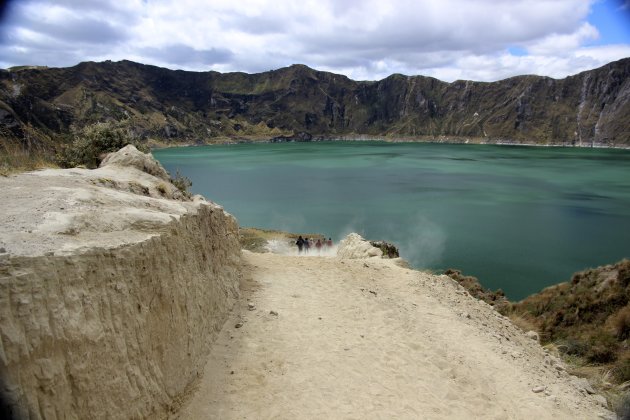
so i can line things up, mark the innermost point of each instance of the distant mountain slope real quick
(39, 105)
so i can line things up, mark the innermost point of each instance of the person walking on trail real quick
(318, 245)
(307, 245)
(300, 244)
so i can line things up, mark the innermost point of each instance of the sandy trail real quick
(357, 339)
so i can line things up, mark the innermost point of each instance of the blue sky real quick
(364, 39)
(612, 20)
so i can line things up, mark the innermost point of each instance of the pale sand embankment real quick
(365, 338)
(111, 290)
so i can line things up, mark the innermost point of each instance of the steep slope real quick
(588, 317)
(38, 105)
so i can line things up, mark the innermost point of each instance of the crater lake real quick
(518, 218)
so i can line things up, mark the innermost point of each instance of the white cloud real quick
(502, 66)
(560, 44)
(370, 39)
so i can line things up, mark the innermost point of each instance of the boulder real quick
(130, 156)
(354, 246)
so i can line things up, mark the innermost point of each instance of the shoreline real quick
(222, 141)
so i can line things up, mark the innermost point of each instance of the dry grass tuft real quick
(15, 159)
(523, 321)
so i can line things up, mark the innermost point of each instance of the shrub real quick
(603, 348)
(182, 183)
(91, 143)
(574, 347)
(624, 272)
(621, 323)
(621, 370)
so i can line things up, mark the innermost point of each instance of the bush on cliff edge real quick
(91, 143)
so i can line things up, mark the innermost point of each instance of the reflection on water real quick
(519, 218)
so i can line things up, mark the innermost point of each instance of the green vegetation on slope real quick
(91, 143)
(587, 319)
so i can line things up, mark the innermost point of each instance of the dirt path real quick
(357, 339)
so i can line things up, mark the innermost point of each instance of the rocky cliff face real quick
(110, 292)
(37, 106)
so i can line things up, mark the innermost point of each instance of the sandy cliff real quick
(112, 287)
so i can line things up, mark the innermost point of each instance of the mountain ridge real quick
(39, 106)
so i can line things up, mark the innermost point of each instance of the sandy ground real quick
(321, 337)
(64, 211)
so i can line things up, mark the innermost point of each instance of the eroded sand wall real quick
(116, 333)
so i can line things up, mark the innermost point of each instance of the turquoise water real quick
(518, 218)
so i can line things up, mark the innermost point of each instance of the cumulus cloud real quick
(72, 29)
(369, 39)
(560, 44)
(62, 33)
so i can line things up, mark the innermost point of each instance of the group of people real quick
(306, 244)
